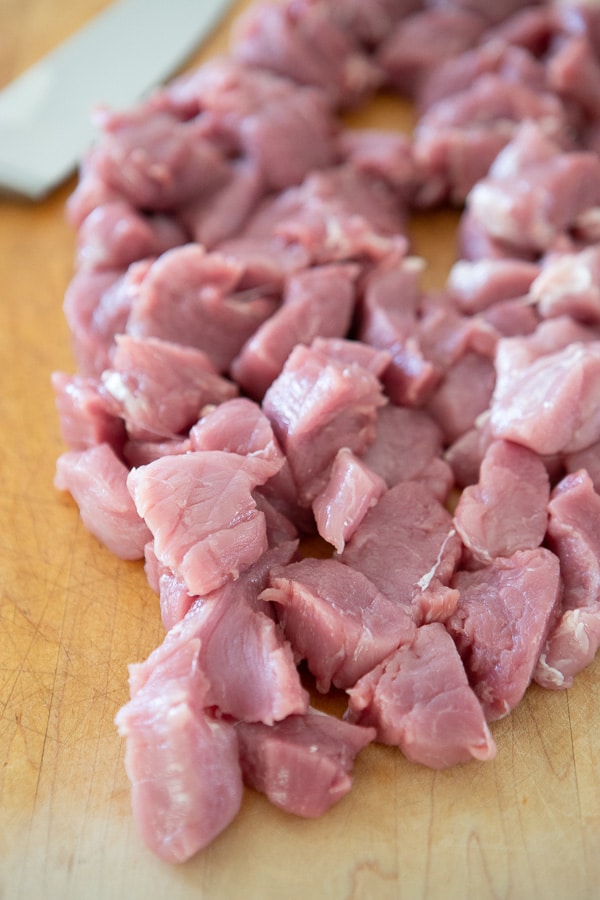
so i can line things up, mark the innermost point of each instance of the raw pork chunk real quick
(421, 41)
(316, 407)
(317, 302)
(351, 491)
(336, 619)
(551, 405)
(304, 43)
(96, 306)
(200, 510)
(155, 160)
(501, 624)
(407, 546)
(574, 535)
(183, 763)
(335, 215)
(407, 447)
(478, 285)
(84, 413)
(569, 284)
(531, 207)
(419, 699)
(237, 426)
(97, 480)
(507, 510)
(303, 763)
(160, 388)
(249, 668)
(189, 297)
(115, 235)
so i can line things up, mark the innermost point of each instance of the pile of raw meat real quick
(259, 365)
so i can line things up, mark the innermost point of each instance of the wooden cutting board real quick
(73, 617)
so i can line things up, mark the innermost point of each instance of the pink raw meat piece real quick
(336, 619)
(248, 665)
(182, 761)
(501, 624)
(419, 700)
(407, 447)
(115, 235)
(551, 405)
(97, 480)
(155, 160)
(316, 406)
(302, 763)
(159, 387)
(211, 220)
(478, 285)
(588, 459)
(567, 284)
(407, 546)
(96, 306)
(574, 535)
(317, 301)
(507, 510)
(351, 491)
(421, 41)
(191, 297)
(237, 426)
(534, 206)
(201, 512)
(304, 43)
(85, 414)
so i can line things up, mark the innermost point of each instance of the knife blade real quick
(113, 60)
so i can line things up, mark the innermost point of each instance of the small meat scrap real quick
(248, 665)
(507, 510)
(336, 619)
(317, 302)
(419, 700)
(317, 406)
(574, 535)
(175, 599)
(551, 405)
(182, 761)
(159, 388)
(303, 763)
(407, 447)
(200, 510)
(501, 623)
(191, 297)
(407, 546)
(351, 491)
(97, 480)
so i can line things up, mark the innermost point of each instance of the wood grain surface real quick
(73, 617)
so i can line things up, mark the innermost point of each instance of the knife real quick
(116, 58)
